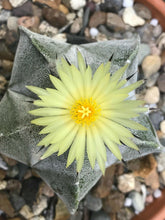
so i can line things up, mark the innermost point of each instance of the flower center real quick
(85, 111)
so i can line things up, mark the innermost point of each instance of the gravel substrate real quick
(126, 189)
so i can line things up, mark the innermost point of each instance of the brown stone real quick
(113, 202)
(61, 211)
(150, 65)
(163, 57)
(45, 190)
(5, 204)
(97, 18)
(54, 5)
(143, 167)
(142, 11)
(152, 179)
(54, 17)
(6, 5)
(14, 185)
(103, 187)
(161, 82)
(2, 174)
(114, 22)
(9, 161)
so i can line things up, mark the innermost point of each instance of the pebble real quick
(93, 32)
(137, 201)
(146, 33)
(114, 22)
(17, 201)
(26, 212)
(54, 17)
(126, 183)
(5, 204)
(149, 199)
(157, 30)
(47, 29)
(24, 10)
(101, 215)
(40, 205)
(12, 23)
(76, 25)
(103, 187)
(142, 11)
(113, 202)
(131, 18)
(154, 49)
(97, 19)
(162, 174)
(46, 190)
(3, 184)
(161, 82)
(156, 118)
(14, 185)
(17, 3)
(111, 5)
(61, 37)
(12, 171)
(2, 174)
(128, 202)
(152, 95)
(128, 3)
(152, 80)
(162, 126)
(70, 16)
(154, 22)
(152, 179)
(76, 5)
(40, 217)
(157, 193)
(6, 5)
(3, 164)
(4, 15)
(161, 162)
(93, 203)
(29, 22)
(61, 211)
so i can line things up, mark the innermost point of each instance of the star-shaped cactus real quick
(35, 60)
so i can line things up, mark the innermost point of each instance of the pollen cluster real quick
(85, 111)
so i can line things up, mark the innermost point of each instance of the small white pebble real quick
(162, 126)
(154, 22)
(128, 202)
(157, 193)
(128, 3)
(76, 5)
(93, 32)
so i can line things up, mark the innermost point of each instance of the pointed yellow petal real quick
(67, 141)
(129, 143)
(37, 90)
(81, 63)
(51, 150)
(101, 163)
(113, 147)
(119, 73)
(46, 120)
(91, 151)
(49, 112)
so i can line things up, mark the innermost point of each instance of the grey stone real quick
(12, 23)
(160, 158)
(156, 118)
(101, 215)
(12, 171)
(137, 201)
(3, 164)
(111, 5)
(93, 203)
(17, 201)
(152, 80)
(142, 11)
(4, 15)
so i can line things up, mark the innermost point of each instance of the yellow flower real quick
(86, 113)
